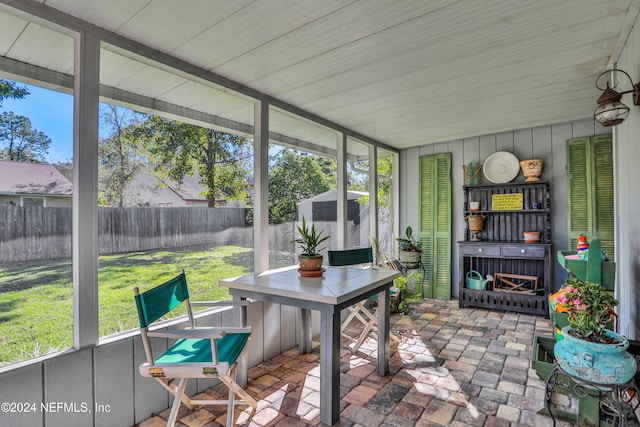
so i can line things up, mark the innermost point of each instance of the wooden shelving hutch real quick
(502, 249)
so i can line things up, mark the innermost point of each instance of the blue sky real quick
(50, 112)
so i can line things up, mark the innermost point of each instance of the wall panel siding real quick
(19, 386)
(225, 317)
(258, 321)
(523, 144)
(148, 397)
(471, 150)
(545, 142)
(69, 387)
(114, 387)
(288, 328)
(110, 370)
(272, 316)
(488, 145)
(411, 191)
(558, 169)
(586, 128)
(402, 184)
(505, 141)
(627, 198)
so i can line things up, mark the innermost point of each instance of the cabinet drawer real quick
(523, 251)
(480, 250)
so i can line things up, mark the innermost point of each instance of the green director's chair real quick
(198, 352)
(358, 311)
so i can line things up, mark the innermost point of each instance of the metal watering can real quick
(476, 282)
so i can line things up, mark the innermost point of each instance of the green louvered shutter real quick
(435, 224)
(426, 223)
(603, 208)
(590, 190)
(577, 188)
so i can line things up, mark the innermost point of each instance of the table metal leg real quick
(384, 351)
(329, 367)
(305, 331)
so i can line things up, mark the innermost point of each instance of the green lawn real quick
(36, 298)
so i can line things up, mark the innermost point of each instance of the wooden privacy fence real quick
(37, 233)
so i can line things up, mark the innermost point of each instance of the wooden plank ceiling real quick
(405, 73)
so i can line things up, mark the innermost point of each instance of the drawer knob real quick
(480, 250)
(522, 251)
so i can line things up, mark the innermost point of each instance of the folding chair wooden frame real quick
(197, 353)
(357, 311)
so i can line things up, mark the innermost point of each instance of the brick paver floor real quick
(453, 367)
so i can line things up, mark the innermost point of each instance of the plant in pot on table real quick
(410, 249)
(588, 350)
(310, 260)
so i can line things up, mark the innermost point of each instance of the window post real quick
(85, 190)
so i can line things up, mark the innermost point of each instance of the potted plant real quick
(381, 258)
(310, 260)
(588, 349)
(410, 249)
(404, 294)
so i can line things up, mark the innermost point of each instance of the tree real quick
(221, 159)
(9, 89)
(384, 170)
(119, 156)
(65, 167)
(295, 177)
(21, 142)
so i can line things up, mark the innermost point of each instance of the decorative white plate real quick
(501, 167)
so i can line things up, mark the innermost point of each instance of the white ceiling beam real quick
(38, 76)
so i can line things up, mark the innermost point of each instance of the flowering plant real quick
(590, 308)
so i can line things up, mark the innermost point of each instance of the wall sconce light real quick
(611, 111)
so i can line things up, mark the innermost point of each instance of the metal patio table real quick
(337, 289)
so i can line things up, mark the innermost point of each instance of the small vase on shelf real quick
(476, 225)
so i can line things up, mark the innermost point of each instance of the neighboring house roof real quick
(333, 195)
(32, 178)
(147, 185)
(189, 190)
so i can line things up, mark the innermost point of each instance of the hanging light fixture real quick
(611, 111)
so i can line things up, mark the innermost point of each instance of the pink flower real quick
(562, 299)
(576, 290)
(577, 302)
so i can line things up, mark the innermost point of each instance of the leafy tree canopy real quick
(9, 89)
(21, 143)
(119, 155)
(221, 159)
(294, 177)
(65, 167)
(384, 170)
